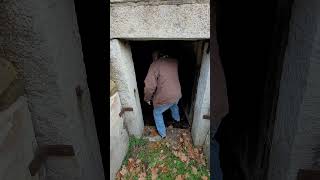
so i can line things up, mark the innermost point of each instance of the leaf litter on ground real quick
(173, 158)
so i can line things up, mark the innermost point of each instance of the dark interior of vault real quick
(185, 52)
(252, 38)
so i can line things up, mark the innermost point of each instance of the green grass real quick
(139, 149)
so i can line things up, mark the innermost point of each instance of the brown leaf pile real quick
(182, 148)
(185, 150)
(134, 167)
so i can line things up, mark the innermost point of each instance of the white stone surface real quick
(200, 126)
(17, 142)
(296, 139)
(118, 150)
(116, 122)
(41, 38)
(119, 139)
(123, 74)
(184, 21)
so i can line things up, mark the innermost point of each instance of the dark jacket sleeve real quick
(150, 83)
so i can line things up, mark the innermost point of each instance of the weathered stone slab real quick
(7, 74)
(116, 122)
(17, 142)
(119, 138)
(123, 73)
(185, 21)
(201, 126)
(11, 94)
(113, 88)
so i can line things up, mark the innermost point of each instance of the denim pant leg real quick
(158, 118)
(217, 172)
(175, 112)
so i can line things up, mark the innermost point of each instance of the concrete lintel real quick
(161, 22)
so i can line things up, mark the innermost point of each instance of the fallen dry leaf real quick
(204, 178)
(162, 157)
(194, 170)
(181, 140)
(124, 170)
(191, 153)
(131, 165)
(142, 176)
(181, 156)
(180, 177)
(154, 173)
(164, 169)
(153, 132)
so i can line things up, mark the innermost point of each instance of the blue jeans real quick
(215, 151)
(158, 117)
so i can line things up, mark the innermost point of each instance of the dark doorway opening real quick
(252, 58)
(186, 53)
(92, 28)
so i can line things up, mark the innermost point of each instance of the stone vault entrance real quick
(130, 61)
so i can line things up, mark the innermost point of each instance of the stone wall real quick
(41, 39)
(201, 126)
(119, 139)
(160, 20)
(17, 142)
(296, 137)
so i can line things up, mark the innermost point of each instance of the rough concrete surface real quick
(186, 21)
(123, 74)
(297, 126)
(7, 74)
(119, 139)
(17, 142)
(156, 2)
(41, 39)
(200, 126)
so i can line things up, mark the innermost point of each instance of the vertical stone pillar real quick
(119, 139)
(123, 74)
(201, 126)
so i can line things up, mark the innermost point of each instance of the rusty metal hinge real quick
(49, 150)
(123, 110)
(206, 117)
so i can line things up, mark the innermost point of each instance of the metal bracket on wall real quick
(123, 110)
(79, 91)
(49, 150)
(206, 117)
